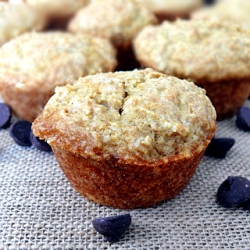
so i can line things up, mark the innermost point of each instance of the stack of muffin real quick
(134, 137)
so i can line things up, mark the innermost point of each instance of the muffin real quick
(16, 19)
(57, 12)
(33, 64)
(128, 139)
(213, 54)
(171, 9)
(118, 21)
(237, 11)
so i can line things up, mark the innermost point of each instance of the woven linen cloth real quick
(40, 210)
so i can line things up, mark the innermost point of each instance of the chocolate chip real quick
(233, 192)
(209, 2)
(246, 205)
(218, 147)
(112, 227)
(243, 118)
(20, 132)
(5, 115)
(39, 144)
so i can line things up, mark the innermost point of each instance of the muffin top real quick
(16, 19)
(237, 11)
(119, 21)
(45, 60)
(57, 8)
(171, 6)
(139, 116)
(200, 50)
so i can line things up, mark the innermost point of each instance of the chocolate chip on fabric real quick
(246, 205)
(20, 132)
(218, 147)
(233, 192)
(243, 118)
(5, 115)
(112, 227)
(39, 144)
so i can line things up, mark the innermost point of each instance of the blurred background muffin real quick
(16, 19)
(56, 12)
(171, 9)
(237, 11)
(33, 64)
(214, 54)
(118, 21)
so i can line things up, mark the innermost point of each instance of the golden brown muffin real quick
(128, 139)
(16, 19)
(213, 54)
(33, 64)
(118, 21)
(237, 11)
(171, 9)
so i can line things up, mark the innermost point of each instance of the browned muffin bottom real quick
(121, 185)
(235, 93)
(128, 139)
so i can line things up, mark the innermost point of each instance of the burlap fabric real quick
(40, 210)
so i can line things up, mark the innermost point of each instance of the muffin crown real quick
(119, 21)
(201, 50)
(138, 116)
(47, 59)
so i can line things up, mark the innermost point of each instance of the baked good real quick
(33, 64)
(128, 139)
(57, 12)
(101, 18)
(16, 19)
(213, 54)
(237, 11)
(171, 9)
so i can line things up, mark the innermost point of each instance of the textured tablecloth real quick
(40, 210)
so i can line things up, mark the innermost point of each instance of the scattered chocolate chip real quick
(39, 144)
(209, 2)
(20, 132)
(112, 227)
(233, 192)
(246, 205)
(218, 147)
(243, 118)
(5, 115)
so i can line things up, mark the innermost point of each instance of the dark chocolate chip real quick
(112, 227)
(209, 2)
(218, 147)
(243, 118)
(5, 115)
(20, 132)
(246, 205)
(233, 192)
(39, 144)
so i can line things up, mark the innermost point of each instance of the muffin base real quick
(227, 96)
(126, 186)
(26, 104)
